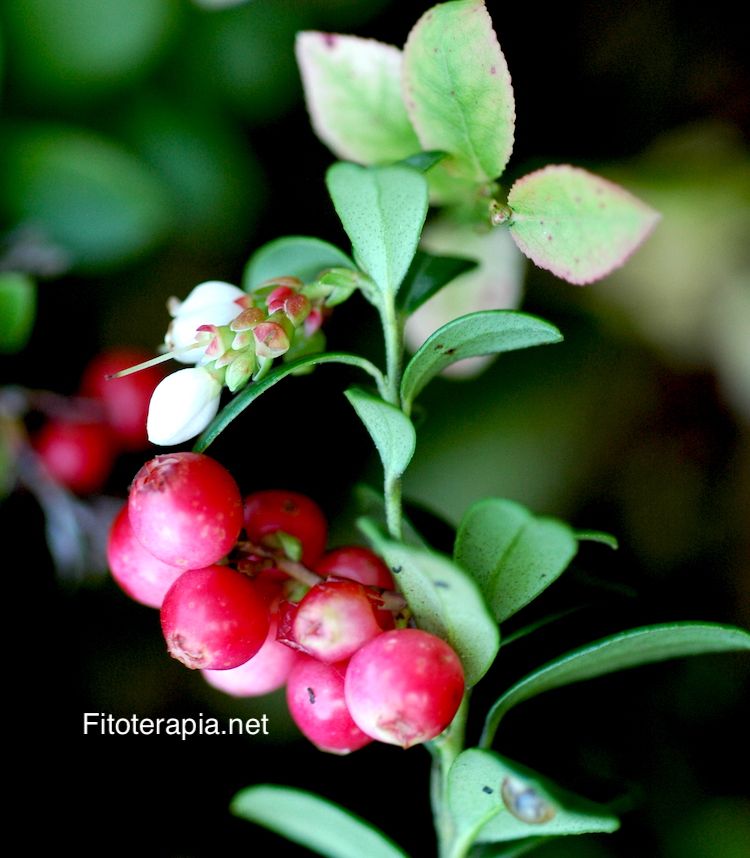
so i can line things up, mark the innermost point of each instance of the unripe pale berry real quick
(186, 509)
(269, 511)
(357, 564)
(76, 454)
(265, 672)
(125, 400)
(214, 618)
(315, 696)
(334, 620)
(404, 687)
(142, 576)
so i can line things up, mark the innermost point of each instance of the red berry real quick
(79, 455)
(214, 618)
(334, 620)
(125, 399)
(186, 509)
(404, 687)
(142, 576)
(265, 672)
(315, 696)
(357, 564)
(270, 511)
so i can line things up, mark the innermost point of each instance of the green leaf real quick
(87, 195)
(493, 799)
(17, 310)
(250, 393)
(512, 554)
(598, 536)
(353, 94)
(390, 429)
(382, 210)
(618, 652)
(426, 275)
(483, 333)
(292, 256)
(457, 89)
(424, 161)
(444, 600)
(313, 822)
(575, 224)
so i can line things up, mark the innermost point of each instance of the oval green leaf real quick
(475, 796)
(444, 600)
(250, 393)
(575, 224)
(427, 275)
(483, 333)
(512, 554)
(457, 89)
(382, 210)
(390, 429)
(292, 256)
(313, 822)
(17, 310)
(353, 95)
(618, 652)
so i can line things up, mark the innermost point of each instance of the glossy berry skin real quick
(76, 454)
(334, 620)
(186, 509)
(315, 696)
(269, 511)
(125, 400)
(357, 564)
(142, 576)
(265, 672)
(404, 687)
(214, 618)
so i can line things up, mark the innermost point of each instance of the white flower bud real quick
(210, 303)
(182, 405)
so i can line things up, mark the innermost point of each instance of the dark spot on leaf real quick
(439, 346)
(493, 70)
(602, 205)
(450, 351)
(396, 569)
(329, 39)
(577, 200)
(549, 237)
(488, 790)
(443, 584)
(311, 695)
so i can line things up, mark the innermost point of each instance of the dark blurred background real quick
(147, 145)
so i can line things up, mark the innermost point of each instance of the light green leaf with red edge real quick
(457, 89)
(353, 95)
(577, 225)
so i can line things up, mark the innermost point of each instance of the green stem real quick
(393, 333)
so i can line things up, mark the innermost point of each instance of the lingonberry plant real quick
(382, 643)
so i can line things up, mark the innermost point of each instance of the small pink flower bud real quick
(247, 319)
(271, 340)
(239, 371)
(276, 299)
(297, 308)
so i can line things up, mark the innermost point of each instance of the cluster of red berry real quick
(79, 442)
(257, 610)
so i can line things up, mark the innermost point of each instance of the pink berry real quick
(357, 564)
(76, 454)
(315, 696)
(125, 399)
(142, 576)
(334, 620)
(186, 509)
(404, 687)
(265, 672)
(269, 511)
(214, 618)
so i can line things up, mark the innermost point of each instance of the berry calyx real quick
(334, 620)
(268, 512)
(142, 576)
(214, 618)
(186, 509)
(76, 454)
(315, 696)
(404, 687)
